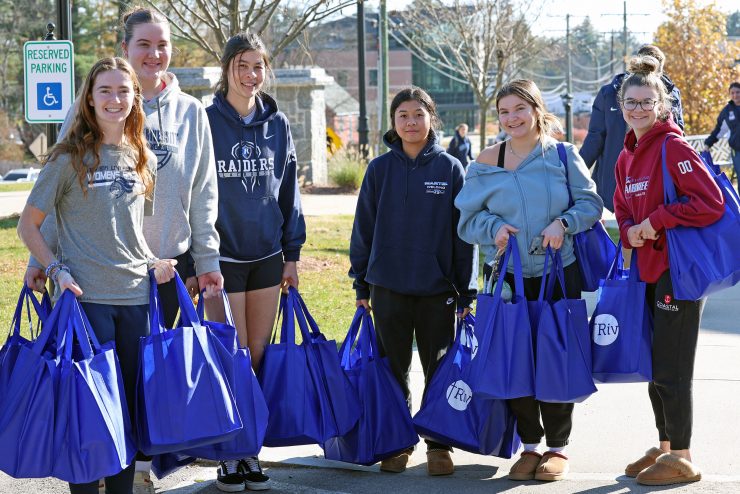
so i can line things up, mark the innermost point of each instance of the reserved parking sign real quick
(48, 68)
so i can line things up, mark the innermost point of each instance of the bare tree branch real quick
(479, 42)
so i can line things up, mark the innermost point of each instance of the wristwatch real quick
(563, 222)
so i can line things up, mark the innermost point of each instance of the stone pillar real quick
(299, 93)
(198, 81)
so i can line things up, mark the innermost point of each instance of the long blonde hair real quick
(84, 135)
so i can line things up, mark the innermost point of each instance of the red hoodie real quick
(639, 192)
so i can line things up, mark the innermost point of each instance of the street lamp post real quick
(362, 127)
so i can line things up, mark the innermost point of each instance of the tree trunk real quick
(483, 121)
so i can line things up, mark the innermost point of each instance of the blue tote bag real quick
(505, 350)
(250, 402)
(183, 396)
(622, 327)
(92, 432)
(384, 428)
(9, 351)
(563, 355)
(594, 248)
(27, 410)
(452, 414)
(703, 260)
(308, 395)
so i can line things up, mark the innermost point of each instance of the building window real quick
(372, 77)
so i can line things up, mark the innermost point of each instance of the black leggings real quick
(674, 349)
(557, 418)
(398, 318)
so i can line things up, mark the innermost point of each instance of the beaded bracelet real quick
(51, 267)
(55, 274)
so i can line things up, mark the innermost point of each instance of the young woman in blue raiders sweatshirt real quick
(406, 257)
(518, 187)
(260, 222)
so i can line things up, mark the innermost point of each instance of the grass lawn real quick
(16, 186)
(324, 283)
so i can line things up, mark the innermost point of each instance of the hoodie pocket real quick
(407, 271)
(254, 229)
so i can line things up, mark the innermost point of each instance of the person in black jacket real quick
(729, 117)
(405, 254)
(607, 128)
(460, 146)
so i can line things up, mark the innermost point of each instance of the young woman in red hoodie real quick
(643, 218)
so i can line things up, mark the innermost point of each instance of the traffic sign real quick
(48, 68)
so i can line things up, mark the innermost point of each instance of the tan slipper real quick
(648, 460)
(397, 463)
(669, 469)
(553, 466)
(525, 466)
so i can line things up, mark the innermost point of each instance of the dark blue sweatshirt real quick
(259, 204)
(404, 236)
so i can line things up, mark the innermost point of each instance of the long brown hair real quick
(237, 44)
(84, 135)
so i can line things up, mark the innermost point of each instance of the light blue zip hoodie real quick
(528, 198)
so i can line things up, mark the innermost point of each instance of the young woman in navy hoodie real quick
(260, 222)
(405, 254)
(643, 218)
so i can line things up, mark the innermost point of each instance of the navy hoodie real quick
(404, 236)
(259, 204)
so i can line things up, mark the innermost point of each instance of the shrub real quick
(347, 169)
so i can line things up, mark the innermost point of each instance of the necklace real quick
(511, 148)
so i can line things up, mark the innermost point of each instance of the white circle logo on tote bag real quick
(606, 329)
(459, 395)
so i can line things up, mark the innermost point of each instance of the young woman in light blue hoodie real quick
(518, 187)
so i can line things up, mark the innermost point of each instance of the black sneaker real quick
(230, 476)
(254, 479)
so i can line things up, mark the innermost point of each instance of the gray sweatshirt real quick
(100, 234)
(186, 191)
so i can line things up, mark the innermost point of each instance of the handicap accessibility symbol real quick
(49, 95)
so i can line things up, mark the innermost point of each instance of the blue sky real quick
(551, 20)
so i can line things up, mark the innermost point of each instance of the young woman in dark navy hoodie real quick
(405, 254)
(643, 219)
(260, 222)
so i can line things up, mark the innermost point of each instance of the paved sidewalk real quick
(611, 428)
(11, 203)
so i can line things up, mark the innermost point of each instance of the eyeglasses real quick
(632, 104)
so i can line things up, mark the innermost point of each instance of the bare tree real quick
(210, 23)
(477, 42)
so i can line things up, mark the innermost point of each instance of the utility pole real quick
(568, 96)
(611, 55)
(383, 76)
(625, 33)
(624, 37)
(362, 130)
(64, 22)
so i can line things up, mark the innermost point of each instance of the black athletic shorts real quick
(248, 276)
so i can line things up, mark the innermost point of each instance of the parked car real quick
(22, 175)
